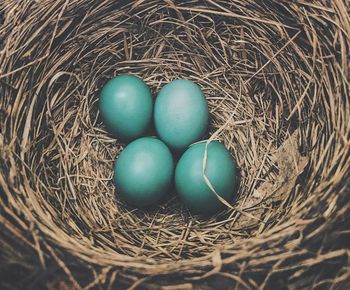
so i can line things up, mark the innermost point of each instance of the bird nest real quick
(276, 78)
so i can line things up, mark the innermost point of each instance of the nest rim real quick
(304, 104)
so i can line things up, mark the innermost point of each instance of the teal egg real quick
(126, 106)
(143, 172)
(190, 183)
(180, 114)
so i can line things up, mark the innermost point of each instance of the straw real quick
(276, 78)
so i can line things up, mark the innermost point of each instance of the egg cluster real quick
(145, 171)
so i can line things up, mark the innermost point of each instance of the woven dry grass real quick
(276, 77)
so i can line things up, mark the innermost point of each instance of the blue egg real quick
(143, 172)
(180, 114)
(126, 106)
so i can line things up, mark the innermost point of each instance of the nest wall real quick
(276, 78)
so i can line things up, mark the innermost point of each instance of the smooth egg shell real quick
(180, 114)
(126, 106)
(143, 172)
(190, 182)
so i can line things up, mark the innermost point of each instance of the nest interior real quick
(276, 77)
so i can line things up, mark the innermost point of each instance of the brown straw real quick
(276, 77)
